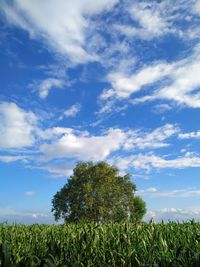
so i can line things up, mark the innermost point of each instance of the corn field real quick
(101, 245)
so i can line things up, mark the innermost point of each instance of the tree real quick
(96, 192)
(139, 209)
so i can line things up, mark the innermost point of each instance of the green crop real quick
(101, 245)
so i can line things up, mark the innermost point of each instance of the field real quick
(126, 244)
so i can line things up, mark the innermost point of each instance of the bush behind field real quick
(99, 245)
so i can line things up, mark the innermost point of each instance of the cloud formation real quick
(195, 135)
(176, 214)
(17, 126)
(154, 192)
(71, 111)
(12, 158)
(46, 85)
(152, 19)
(177, 81)
(61, 25)
(151, 161)
(152, 140)
(20, 129)
(66, 142)
(10, 215)
(83, 146)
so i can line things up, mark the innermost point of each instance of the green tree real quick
(96, 192)
(139, 209)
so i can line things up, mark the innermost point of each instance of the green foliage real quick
(96, 192)
(139, 209)
(4, 257)
(110, 244)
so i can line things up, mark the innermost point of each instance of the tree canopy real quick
(97, 192)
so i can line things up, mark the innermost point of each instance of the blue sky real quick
(99, 80)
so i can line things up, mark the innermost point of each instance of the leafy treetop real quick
(96, 192)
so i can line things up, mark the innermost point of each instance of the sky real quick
(105, 80)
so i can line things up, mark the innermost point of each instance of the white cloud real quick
(66, 142)
(107, 106)
(62, 25)
(123, 85)
(53, 133)
(155, 19)
(161, 163)
(149, 18)
(179, 214)
(12, 212)
(59, 169)
(184, 86)
(181, 77)
(152, 18)
(161, 108)
(29, 193)
(71, 111)
(154, 139)
(80, 145)
(148, 190)
(17, 126)
(11, 215)
(84, 147)
(189, 135)
(196, 7)
(152, 191)
(8, 159)
(46, 85)
(151, 161)
(20, 129)
(140, 176)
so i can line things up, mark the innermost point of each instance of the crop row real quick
(125, 244)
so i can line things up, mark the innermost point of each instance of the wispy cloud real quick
(155, 139)
(162, 108)
(83, 146)
(59, 169)
(21, 129)
(71, 111)
(29, 193)
(195, 135)
(148, 190)
(124, 85)
(151, 161)
(196, 7)
(180, 214)
(11, 215)
(177, 81)
(66, 31)
(11, 158)
(154, 192)
(152, 18)
(46, 85)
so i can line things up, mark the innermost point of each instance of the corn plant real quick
(4, 257)
(112, 244)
